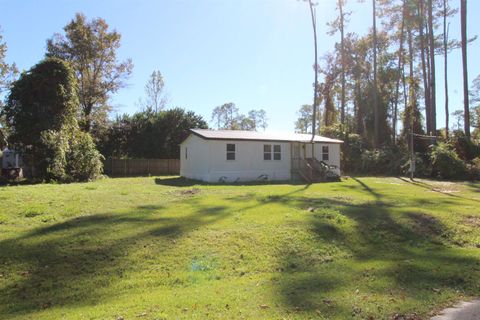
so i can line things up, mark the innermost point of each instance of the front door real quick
(296, 151)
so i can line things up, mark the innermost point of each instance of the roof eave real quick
(198, 134)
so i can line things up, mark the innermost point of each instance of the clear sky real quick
(255, 53)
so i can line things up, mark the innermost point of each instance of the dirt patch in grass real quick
(472, 221)
(412, 316)
(444, 190)
(190, 192)
(445, 187)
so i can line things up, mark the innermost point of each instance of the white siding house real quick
(234, 155)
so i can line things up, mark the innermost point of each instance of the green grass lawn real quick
(163, 248)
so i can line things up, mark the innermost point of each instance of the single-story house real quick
(235, 155)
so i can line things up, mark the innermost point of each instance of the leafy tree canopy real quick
(150, 135)
(43, 98)
(41, 114)
(7, 71)
(91, 47)
(227, 117)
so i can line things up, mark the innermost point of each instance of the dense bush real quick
(352, 149)
(43, 98)
(84, 162)
(334, 131)
(386, 161)
(473, 169)
(357, 157)
(51, 156)
(466, 149)
(423, 165)
(69, 156)
(149, 135)
(41, 113)
(456, 159)
(447, 164)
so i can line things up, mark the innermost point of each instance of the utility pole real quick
(412, 152)
(412, 155)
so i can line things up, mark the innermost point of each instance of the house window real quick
(268, 150)
(230, 151)
(325, 153)
(277, 152)
(186, 153)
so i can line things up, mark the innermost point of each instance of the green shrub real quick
(466, 149)
(381, 161)
(84, 162)
(52, 155)
(41, 112)
(334, 131)
(352, 149)
(423, 167)
(447, 164)
(68, 156)
(473, 169)
(476, 162)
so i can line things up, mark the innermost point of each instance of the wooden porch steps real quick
(313, 170)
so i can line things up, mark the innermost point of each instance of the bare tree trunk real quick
(87, 114)
(445, 58)
(342, 55)
(404, 84)
(412, 94)
(357, 99)
(358, 111)
(375, 102)
(426, 77)
(400, 66)
(466, 104)
(433, 98)
(410, 53)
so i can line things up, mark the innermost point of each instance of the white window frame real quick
(271, 153)
(230, 152)
(279, 152)
(267, 153)
(325, 155)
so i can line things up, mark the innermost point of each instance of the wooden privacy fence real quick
(141, 167)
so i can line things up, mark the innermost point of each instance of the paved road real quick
(462, 311)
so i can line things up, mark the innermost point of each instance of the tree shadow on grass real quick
(432, 188)
(388, 253)
(73, 263)
(474, 186)
(184, 182)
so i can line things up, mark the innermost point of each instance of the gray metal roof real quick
(259, 136)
